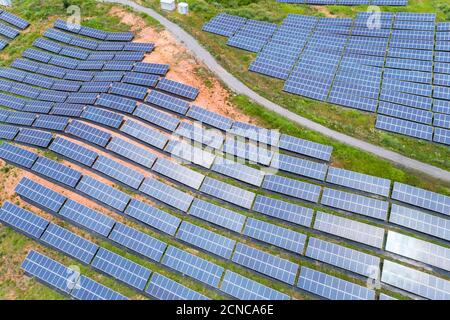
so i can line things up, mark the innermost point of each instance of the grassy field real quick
(352, 122)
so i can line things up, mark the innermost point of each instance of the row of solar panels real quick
(112, 264)
(293, 188)
(11, 29)
(367, 234)
(342, 61)
(349, 2)
(310, 280)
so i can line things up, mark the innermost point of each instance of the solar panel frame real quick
(164, 288)
(16, 155)
(228, 192)
(57, 171)
(23, 220)
(122, 173)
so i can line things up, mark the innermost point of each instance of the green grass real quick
(352, 122)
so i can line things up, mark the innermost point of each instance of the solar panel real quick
(166, 194)
(349, 229)
(119, 172)
(14, 20)
(305, 147)
(238, 171)
(252, 36)
(51, 122)
(183, 151)
(291, 187)
(8, 132)
(331, 287)
(108, 76)
(164, 288)
(227, 192)
(177, 88)
(224, 24)
(442, 136)
(20, 219)
(419, 250)
(404, 127)
(69, 243)
(193, 266)
(421, 198)
(121, 268)
(265, 263)
(417, 282)
(132, 152)
(43, 196)
(420, 221)
(129, 90)
(103, 193)
(116, 103)
(152, 68)
(277, 236)
(142, 79)
(343, 257)
(67, 109)
(144, 134)
(21, 118)
(87, 218)
(355, 203)
(300, 167)
(49, 272)
(73, 151)
(385, 297)
(88, 133)
(88, 289)
(262, 135)
(34, 137)
(156, 117)
(195, 132)
(206, 240)
(16, 155)
(56, 171)
(255, 153)
(210, 118)
(283, 210)
(359, 181)
(178, 173)
(137, 241)
(217, 215)
(38, 106)
(244, 288)
(153, 217)
(167, 102)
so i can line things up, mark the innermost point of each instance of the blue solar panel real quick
(16, 155)
(300, 167)
(137, 241)
(156, 117)
(166, 194)
(238, 171)
(177, 88)
(69, 243)
(34, 137)
(167, 102)
(193, 266)
(217, 215)
(87, 218)
(342, 257)
(116, 103)
(132, 152)
(224, 24)
(129, 90)
(56, 171)
(88, 289)
(331, 287)
(164, 288)
(49, 272)
(103, 193)
(265, 263)
(421, 198)
(305, 147)
(88, 133)
(294, 188)
(8, 132)
(43, 196)
(178, 173)
(119, 172)
(144, 133)
(283, 210)
(73, 151)
(210, 118)
(152, 68)
(206, 240)
(25, 221)
(153, 217)
(51, 122)
(122, 269)
(277, 236)
(355, 203)
(227, 192)
(243, 288)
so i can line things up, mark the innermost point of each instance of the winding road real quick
(237, 86)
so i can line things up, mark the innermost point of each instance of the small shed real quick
(168, 5)
(183, 8)
(6, 3)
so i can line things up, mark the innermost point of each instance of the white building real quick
(183, 8)
(168, 5)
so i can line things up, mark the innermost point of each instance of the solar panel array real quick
(11, 29)
(392, 64)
